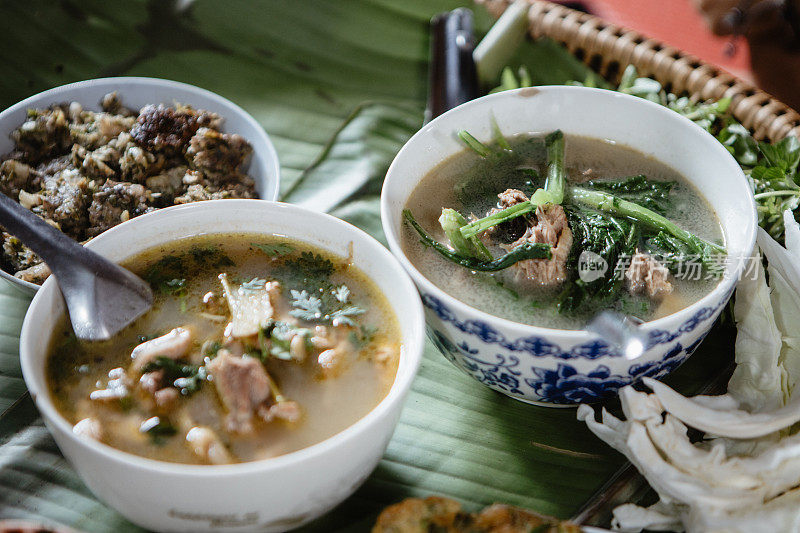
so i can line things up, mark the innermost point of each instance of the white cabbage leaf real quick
(744, 475)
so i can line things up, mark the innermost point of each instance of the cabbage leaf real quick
(744, 475)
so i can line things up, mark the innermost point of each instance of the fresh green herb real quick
(308, 307)
(479, 226)
(616, 206)
(771, 167)
(362, 337)
(511, 80)
(553, 191)
(274, 250)
(210, 349)
(499, 139)
(158, 429)
(452, 221)
(343, 315)
(280, 335)
(651, 194)
(774, 181)
(311, 266)
(254, 285)
(609, 237)
(474, 144)
(342, 293)
(175, 287)
(739, 142)
(522, 252)
(191, 383)
(185, 377)
(669, 251)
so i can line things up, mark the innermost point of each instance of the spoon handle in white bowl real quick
(102, 297)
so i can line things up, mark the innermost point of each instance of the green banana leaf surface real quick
(339, 87)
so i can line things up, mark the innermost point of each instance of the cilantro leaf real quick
(342, 316)
(342, 293)
(307, 307)
(278, 249)
(185, 377)
(254, 285)
(311, 266)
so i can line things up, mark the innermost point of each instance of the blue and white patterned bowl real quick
(564, 367)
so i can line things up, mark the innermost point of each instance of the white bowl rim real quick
(400, 386)
(579, 335)
(263, 138)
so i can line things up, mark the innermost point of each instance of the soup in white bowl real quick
(299, 485)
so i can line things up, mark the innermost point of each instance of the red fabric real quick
(677, 23)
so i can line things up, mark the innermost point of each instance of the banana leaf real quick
(339, 86)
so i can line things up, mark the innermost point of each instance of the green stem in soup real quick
(651, 194)
(452, 221)
(608, 203)
(474, 144)
(556, 173)
(481, 225)
(185, 377)
(552, 193)
(522, 252)
(607, 236)
(499, 138)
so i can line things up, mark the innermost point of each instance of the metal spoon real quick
(620, 331)
(102, 297)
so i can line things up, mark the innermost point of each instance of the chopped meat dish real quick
(86, 171)
(418, 515)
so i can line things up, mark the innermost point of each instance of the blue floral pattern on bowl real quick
(536, 369)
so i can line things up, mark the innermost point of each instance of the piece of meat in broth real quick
(245, 389)
(175, 345)
(550, 227)
(646, 275)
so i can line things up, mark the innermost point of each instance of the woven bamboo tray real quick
(608, 49)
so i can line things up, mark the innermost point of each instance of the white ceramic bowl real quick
(269, 495)
(555, 366)
(135, 93)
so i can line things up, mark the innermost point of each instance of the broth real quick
(470, 184)
(330, 397)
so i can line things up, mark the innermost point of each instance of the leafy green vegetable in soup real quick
(549, 230)
(256, 347)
